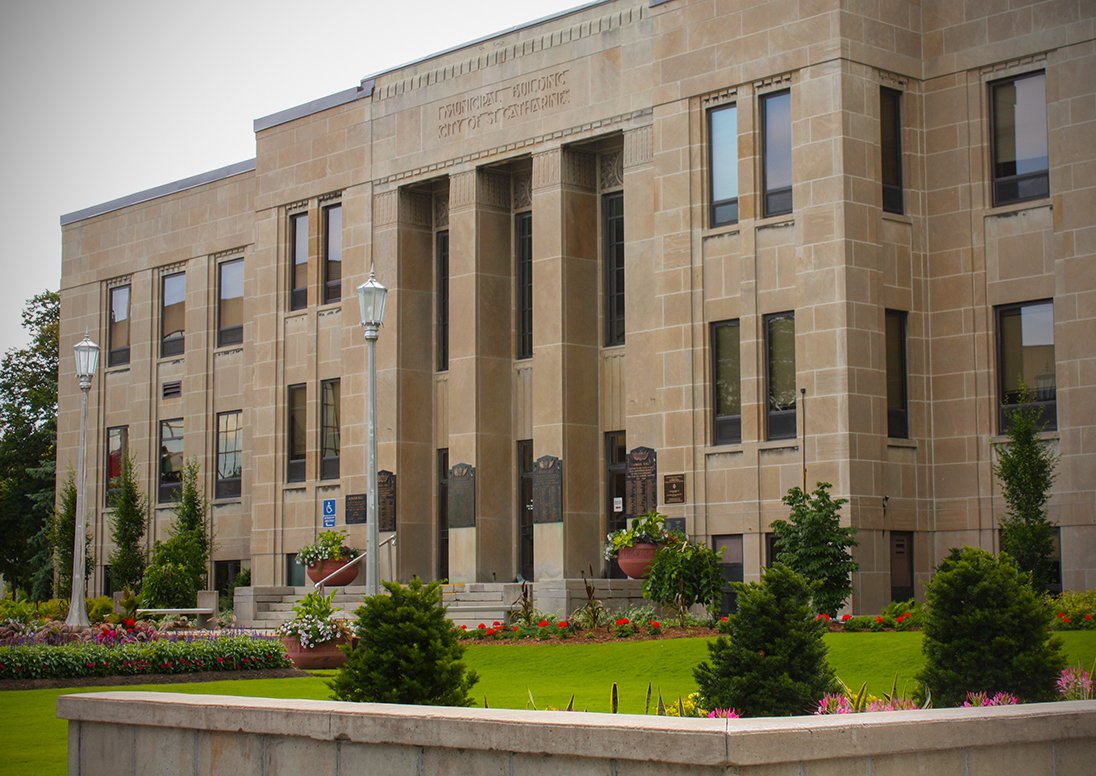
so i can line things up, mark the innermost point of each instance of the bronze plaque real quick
(462, 496)
(355, 506)
(673, 489)
(641, 482)
(386, 501)
(548, 490)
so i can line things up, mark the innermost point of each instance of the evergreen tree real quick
(813, 543)
(128, 525)
(179, 567)
(1025, 467)
(773, 661)
(61, 533)
(407, 651)
(986, 630)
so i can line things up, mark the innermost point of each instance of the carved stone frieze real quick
(546, 168)
(441, 211)
(522, 185)
(611, 170)
(493, 190)
(385, 208)
(579, 170)
(415, 208)
(462, 190)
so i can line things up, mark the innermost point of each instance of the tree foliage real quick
(684, 574)
(772, 662)
(61, 539)
(986, 630)
(813, 543)
(1025, 467)
(179, 566)
(407, 651)
(28, 430)
(128, 525)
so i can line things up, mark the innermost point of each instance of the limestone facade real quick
(599, 125)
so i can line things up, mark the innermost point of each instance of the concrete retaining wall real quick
(167, 733)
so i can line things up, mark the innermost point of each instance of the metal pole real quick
(803, 444)
(372, 548)
(78, 611)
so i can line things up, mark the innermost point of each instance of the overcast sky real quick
(103, 98)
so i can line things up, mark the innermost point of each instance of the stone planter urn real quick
(348, 574)
(326, 655)
(636, 561)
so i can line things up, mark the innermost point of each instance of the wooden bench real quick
(206, 608)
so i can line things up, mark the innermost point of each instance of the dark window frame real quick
(441, 300)
(612, 227)
(298, 261)
(898, 424)
(332, 286)
(442, 463)
(110, 492)
(118, 353)
(1010, 186)
(172, 345)
(295, 466)
(228, 480)
(890, 147)
(523, 458)
(234, 334)
(722, 212)
(780, 423)
(170, 480)
(523, 274)
(329, 463)
(726, 429)
(775, 201)
(1045, 396)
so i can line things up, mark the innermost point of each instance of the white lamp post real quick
(371, 300)
(87, 361)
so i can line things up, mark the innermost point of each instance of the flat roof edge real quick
(160, 191)
(362, 90)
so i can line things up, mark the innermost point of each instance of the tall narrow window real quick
(1025, 360)
(295, 426)
(443, 513)
(230, 303)
(726, 383)
(523, 228)
(776, 131)
(1019, 122)
(616, 470)
(524, 457)
(441, 301)
(171, 459)
(890, 142)
(723, 158)
(172, 314)
(731, 568)
(117, 448)
(229, 454)
(612, 214)
(329, 429)
(332, 253)
(897, 402)
(780, 375)
(118, 336)
(298, 261)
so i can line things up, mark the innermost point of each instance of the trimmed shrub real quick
(407, 651)
(773, 662)
(986, 630)
(684, 574)
(127, 526)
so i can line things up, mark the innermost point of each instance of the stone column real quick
(565, 352)
(480, 357)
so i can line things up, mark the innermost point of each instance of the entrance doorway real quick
(525, 508)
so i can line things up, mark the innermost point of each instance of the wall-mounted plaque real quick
(673, 489)
(548, 490)
(356, 506)
(462, 496)
(386, 500)
(641, 482)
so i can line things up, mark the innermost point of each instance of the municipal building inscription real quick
(493, 108)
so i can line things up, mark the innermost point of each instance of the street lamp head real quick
(371, 300)
(87, 359)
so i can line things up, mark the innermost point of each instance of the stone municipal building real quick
(672, 254)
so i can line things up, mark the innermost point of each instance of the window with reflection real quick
(780, 375)
(441, 300)
(332, 253)
(523, 227)
(118, 335)
(726, 383)
(172, 314)
(298, 261)
(723, 158)
(897, 401)
(229, 454)
(612, 226)
(776, 152)
(295, 427)
(1025, 361)
(171, 459)
(117, 449)
(890, 142)
(1019, 139)
(329, 429)
(230, 304)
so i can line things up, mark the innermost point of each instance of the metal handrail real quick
(319, 585)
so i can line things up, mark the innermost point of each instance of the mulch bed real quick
(111, 681)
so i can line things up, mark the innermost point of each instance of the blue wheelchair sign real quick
(329, 513)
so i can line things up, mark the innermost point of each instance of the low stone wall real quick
(165, 733)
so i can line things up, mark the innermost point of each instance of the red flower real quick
(91, 665)
(1061, 614)
(490, 631)
(722, 619)
(1088, 617)
(654, 623)
(1065, 619)
(496, 623)
(129, 623)
(543, 624)
(846, 617)
(514, 628)
(464, 627)
(879, 619)
(622, 621)
(481, 626)
(561, 624)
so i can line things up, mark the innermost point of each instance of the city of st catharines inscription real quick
(494, 107)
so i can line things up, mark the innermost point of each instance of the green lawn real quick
(33, 740)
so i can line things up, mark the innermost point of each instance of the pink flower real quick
(724, 714)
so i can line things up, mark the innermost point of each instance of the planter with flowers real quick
(312, 638)
(635, 547)
(328, 554)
